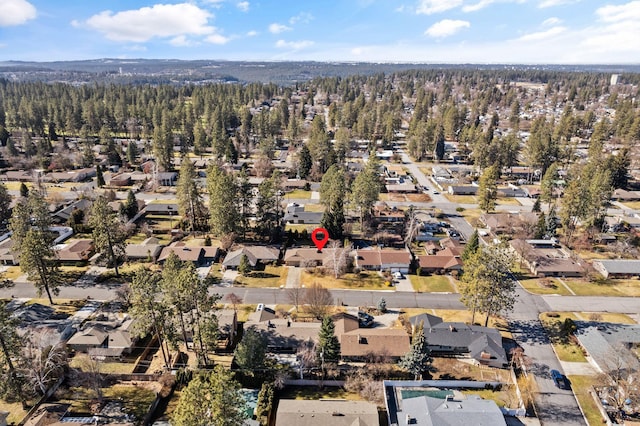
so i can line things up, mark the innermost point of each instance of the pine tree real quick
(99, 177)
(190, 204)
(328, 343)
(211, 399)
(472, 246)
(223, 201)
(244, 267)
(108, 232)
(250, 352)
(418, 360)
(131, 205)
(487, 189)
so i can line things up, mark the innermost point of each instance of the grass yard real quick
(462, 199)
(472, 216)
(135, 399)
(544, 286)
(300, 227)
(426, 170)
(272, 276)
(566, 349)
(431, 283)
(508, 201)
(16, 413)
(81, 362)
(581, 386)
(635, 205)
(314, 393)
(11, 273)
(314, 207)
(299, 194)
(362, 281)
(609, 287)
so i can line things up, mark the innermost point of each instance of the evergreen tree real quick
(131, 205)
(99, 177)
(5, 206)
(211, 399)
(250, 352)
(24, 190)
(328, 344)
(190, 204)
(11, 344)
(132, 152)
(244, 267)
(304, 162)
(487, 189)
(30, 223)
(472, 246)
(108, 232)
(418, 360)
(223, 201)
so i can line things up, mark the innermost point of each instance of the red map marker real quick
(322, 241)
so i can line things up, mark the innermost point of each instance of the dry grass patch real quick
(418, 198)
(314, 393)
(431, 284)
(544, 286)
(608, 287)
(16, 413)
(299, 194)
(361, 281)
(566, 346)
(508, 201)
(272, 276)
(581, 386)
(461, 199)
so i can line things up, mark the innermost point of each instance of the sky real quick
(430, 31)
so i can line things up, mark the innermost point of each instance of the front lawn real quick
(431, 283)
(609, 287)
(299, 194)
(361, 281)
(544, 286)
(581, 385)
(566, 347)
(272, 276)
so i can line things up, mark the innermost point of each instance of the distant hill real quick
(156, 71)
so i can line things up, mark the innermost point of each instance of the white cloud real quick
(16, 12)
(243, 6)
(446, 28)
(475, 7)
(301, 18)
(543, 35)
(295, 45)
(160, 20)
(619, 13)
(551, 22)
(551, 3)
(181, 41)
(428, 7)
(217, 39)
(252, 33)
(278, 28)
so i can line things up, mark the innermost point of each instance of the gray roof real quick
(254, 254)
(472, 410)
(306, 217)
(621, 266)
(483, 344)
(606, 344)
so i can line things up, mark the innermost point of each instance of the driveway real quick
(293, 277)
(228, 277)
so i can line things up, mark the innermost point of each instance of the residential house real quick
(7, 255)
(282, 334)
(545, 258)
(442, 261)
(513, 191)
(462, 189)
(460, 411)
(162, 209)
(617, 268)
(166, 178)
(256, 255)
(17, 176)
(71, 175)
(482, 344)
(623, 195)
(357, 344)
(402, 188)
(308, 257)
(379, 259)
(383, 213)
(63, 215)
(107, 337)
(77, 251)
(325, 412)
(227, 326)
(150, 248)
(199, 255)
(509, 223)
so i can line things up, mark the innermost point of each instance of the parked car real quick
(559, 379)
(398, 275)
(364, 319)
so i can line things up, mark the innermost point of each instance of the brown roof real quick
(189, 253)
(76, 251)
(294, 412)
(379, 257)
(439, 262)
(380, 341)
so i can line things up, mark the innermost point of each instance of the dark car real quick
(559, 379)
(365, 319)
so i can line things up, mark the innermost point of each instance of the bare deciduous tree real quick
(46, 360)
(307, 356)
(295, 295)
(318, 300)
(338, 258)
(234, 299)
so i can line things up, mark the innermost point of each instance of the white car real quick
(397, 275)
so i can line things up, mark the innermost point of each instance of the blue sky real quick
(451, 31)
